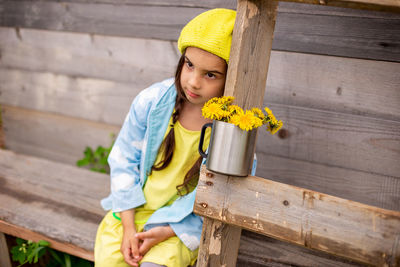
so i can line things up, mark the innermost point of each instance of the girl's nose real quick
(194, 81)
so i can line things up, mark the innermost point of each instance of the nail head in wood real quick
(209, 175)
(204, 205)
(209, 183)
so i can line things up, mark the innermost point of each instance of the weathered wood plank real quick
(335, 139)
(301, 28)
(4, 253)
(262, 251)
(97, 100)
(65, 211)
(301, 216)
(246, 79)
(368, 188)
(72, 249)
(381, 5)
(86, 76)
(360, 87)
(51, 136)
(250, 52)
(124, 60)
(218, 241)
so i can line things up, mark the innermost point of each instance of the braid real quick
(168, 145)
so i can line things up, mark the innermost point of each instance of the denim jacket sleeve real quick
(125, 157)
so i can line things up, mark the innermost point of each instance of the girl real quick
(154, 162)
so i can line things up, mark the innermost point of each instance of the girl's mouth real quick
(192, 95)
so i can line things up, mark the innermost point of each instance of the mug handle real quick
(202, 134)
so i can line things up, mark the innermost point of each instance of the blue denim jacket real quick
(135, 152)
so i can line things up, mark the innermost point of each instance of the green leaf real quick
(20, 241)
(67, 260)
(82, 162)
(43, 243)
(88, 152)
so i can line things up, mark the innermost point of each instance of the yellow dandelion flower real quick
(257, 122)
(269, 112)
(233, 109)
(225, 100)
(212, 111)
(246, 121)
(213, 100)
(273, 128)
(234, 119)
(258, 113)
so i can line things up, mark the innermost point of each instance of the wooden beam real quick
(246, 78)
(4, 252)
(250, 52)
(378, 5)
(218, 242)
(338, 226)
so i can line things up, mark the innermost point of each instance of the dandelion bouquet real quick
(222, 109)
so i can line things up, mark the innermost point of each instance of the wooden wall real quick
(69, 71)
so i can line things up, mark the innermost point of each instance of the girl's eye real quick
(210, 75)
(189, 64)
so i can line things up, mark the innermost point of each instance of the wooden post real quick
(246, 80)
(4, 254)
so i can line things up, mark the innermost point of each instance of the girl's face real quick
(203, 76)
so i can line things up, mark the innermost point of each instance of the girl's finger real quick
(128, 258)
(144, 235)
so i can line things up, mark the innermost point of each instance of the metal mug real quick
(231, 149)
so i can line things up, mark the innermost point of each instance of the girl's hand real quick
(153, 237)
(130, 247)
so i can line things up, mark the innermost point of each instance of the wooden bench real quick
(45, 200)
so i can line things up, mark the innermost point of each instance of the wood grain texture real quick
(261, 251)
(368, 188)
(385, 5)
(124, 60)
(4, 253)
(219, 244)
(246, 79)
(302, 28)
(301, 216)
(250, 52)
(57, 202)
(97, 79)
(72, 249)
(335, 139)
(51, 136)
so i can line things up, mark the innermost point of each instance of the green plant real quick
(97, 159)
(28, 251)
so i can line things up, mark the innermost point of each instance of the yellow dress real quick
(159, 190)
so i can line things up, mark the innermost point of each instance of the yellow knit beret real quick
(210, 31)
